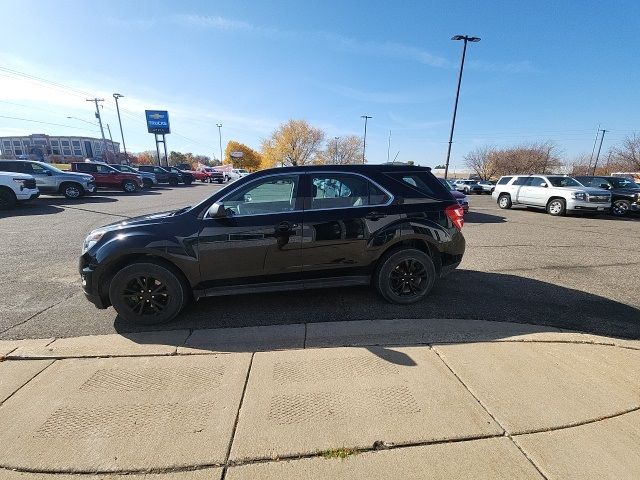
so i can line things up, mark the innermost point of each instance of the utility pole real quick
(389, 147)
(466, 39)
(335, 157)
(593, 172)
(219, 125)
(595, 142)
(116, 96)
(364, 144)
(113, 147)
(96, 100)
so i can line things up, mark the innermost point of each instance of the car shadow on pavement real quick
(477, 217)
(30, 209)
(62, 201)
(465, 295)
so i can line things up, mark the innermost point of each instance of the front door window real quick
(271, 195)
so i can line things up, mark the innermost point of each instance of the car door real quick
(92, 169)
(537, 191)
(518, 189)
(44, 178)
(259, 239)
(342, 211)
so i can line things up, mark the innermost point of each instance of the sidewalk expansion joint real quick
(235, 425)
(25, 383)
(484, 407)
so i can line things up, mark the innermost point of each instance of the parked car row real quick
(23, 180)
(560, 194)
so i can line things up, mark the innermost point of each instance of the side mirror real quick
(544, 185)
(216, 211)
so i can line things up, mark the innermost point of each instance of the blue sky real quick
(543, 71)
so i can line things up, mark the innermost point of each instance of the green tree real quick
(250, 159)
(176, 158)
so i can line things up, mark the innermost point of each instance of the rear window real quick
(504, 180)
(421, 181)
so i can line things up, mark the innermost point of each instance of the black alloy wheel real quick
(620, 208)
(405, 276)
(147, 293)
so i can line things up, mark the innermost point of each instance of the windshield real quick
(620, 182)
(564, 182)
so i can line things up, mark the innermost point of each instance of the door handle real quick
(375, 216)
(286, 226)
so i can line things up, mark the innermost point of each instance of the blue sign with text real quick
(157, 121)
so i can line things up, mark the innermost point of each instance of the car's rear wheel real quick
(72, 190)
(8, 199)
(147, 293)
(129, 186)
(620, 208)
(556, 207)
(405, 276)
(504, 201)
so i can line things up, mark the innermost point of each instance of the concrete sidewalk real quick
(369, 399)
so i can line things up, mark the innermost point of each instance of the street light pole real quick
(113, 147)
(116, 96)
(466, 39)
(389, 147)
(335, 157)
(593, 172)
(364, 141)
(219, 125)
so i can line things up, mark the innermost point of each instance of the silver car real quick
(50, 179)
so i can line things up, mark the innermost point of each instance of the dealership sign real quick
(157, 121)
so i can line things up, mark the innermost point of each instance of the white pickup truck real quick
(16, 187)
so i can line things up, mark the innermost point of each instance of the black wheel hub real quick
(146, 296)
(408, 278)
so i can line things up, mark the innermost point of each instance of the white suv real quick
(557, 194)
(16, 187)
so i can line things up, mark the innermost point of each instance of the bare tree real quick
(294, 143)
(537, 157)
(342, 151)
(482, 161)
(627, 157)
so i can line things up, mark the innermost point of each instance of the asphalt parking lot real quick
(520, 266)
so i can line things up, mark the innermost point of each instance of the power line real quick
(46, 123)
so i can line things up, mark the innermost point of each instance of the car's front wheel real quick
(129, 186)
(7, 199)
(620, 208)
(72, 190)
(147, 183)
(556, 207)
(147, 293)
(405, 276)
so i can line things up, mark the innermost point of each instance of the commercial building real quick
(64, 149)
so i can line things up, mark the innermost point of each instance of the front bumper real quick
(90, 187)
(584, 206)
(27, 194)
(90, 284)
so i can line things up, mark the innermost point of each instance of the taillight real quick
(456, 215)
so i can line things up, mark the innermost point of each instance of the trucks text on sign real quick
(157, 121)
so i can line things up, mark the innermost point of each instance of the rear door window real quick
(86, 167)
(343, 190)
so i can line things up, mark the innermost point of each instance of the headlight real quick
(579, 195)
(93, 238)
(20, 181)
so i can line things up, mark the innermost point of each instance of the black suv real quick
(393, 226)
(625, 194)
(185, 177)
(162, 175)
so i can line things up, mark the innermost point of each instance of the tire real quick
(165, 300)
(173, 182)
(557, 207)
(72, 190)
(465, 190)
(504, 201)
(620, 208)
(129, 186)
(147, 184)
(8, 199)
(188, 181)
(203, 180)
(221, 181)
(404, 276)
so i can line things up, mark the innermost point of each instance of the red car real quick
(108, 177)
